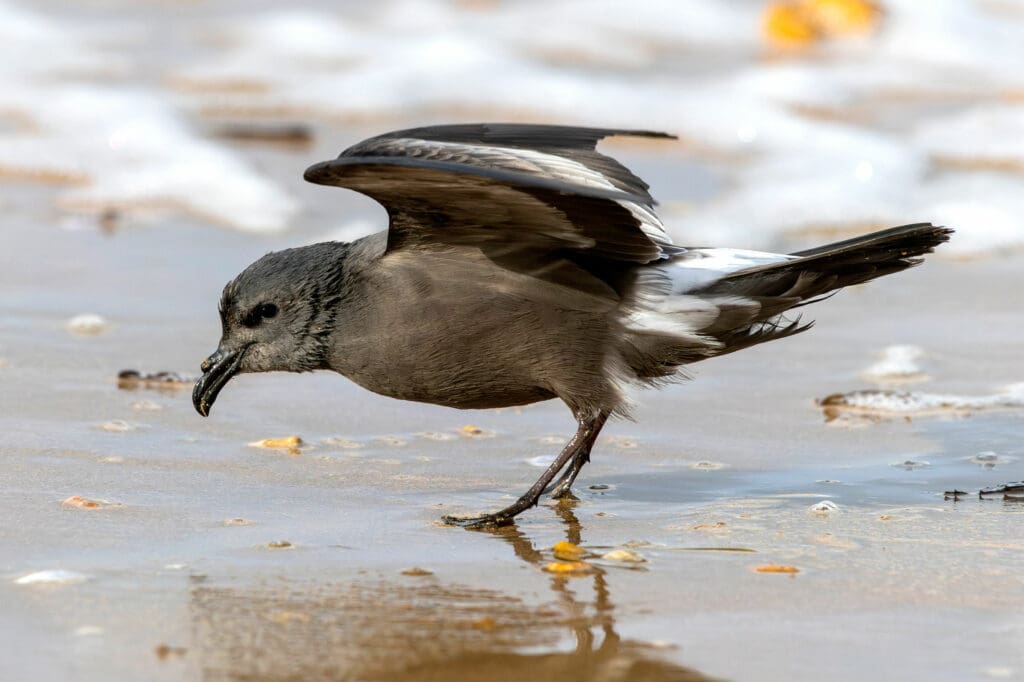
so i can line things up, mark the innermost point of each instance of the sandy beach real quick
(762, 537)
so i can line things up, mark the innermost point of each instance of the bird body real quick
(519, 265)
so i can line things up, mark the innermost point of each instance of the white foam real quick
(993, 134)
(121, 147)
(984, 207)
(898, 363)
(570, 61)
(912, 402)
(87, 324)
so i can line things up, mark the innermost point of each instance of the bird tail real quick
(813, 275)
(724, 300)
(809, 274)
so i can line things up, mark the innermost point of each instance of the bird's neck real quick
(327, 286)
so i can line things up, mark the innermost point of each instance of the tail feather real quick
(818, 271)
(816, 274)
(729, 310)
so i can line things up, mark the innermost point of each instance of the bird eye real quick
(264, 311)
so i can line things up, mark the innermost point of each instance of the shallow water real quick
(216, 560)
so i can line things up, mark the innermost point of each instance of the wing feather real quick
(522, 186)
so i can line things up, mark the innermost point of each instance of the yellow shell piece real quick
(776, 568)
(286, 442)
(78, 502)
(566, 551)
(789, 25)
(569, 567)
(843, 17)
(800, 23)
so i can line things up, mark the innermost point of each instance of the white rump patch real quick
(685, 321)
(699, 267)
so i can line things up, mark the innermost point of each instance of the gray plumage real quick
(519, 265)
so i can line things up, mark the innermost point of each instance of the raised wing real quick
(507, 188)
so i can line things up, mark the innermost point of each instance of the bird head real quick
(275, 317)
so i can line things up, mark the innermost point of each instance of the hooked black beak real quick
(217, 371)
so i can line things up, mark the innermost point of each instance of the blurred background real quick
(795, 118)
(150, 150)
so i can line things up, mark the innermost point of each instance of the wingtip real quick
(940, 233)
(317, 173)
(655, 134)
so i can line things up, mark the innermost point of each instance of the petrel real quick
(520, 264)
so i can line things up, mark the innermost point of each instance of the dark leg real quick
(584, 439)
(563, 486)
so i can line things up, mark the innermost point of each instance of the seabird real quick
(520, 264)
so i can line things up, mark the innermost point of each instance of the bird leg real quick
(577, 449)
(563, 486)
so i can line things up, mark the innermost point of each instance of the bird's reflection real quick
(602, 619)
(425, 630)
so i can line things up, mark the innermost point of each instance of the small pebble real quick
(117, 426)
(707, 466)
(88, 631)
(416, 571)
(290, 443)
(638, 543)
(776, 568)
(52, 577)
(77, 502)
(485, 624)
(910, 464)
(624, 555)
(999, 672)
(132, 379)
(470, 431)
(237, 521)
(989, 459)
(344, 443)
(280, 544)
(163, 651)
(435, 436)
(87, 324)
(717, 525)
(146, 406)
(823, 508)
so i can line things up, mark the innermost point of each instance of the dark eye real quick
(264, 311)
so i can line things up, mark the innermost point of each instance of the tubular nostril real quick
(206, 365)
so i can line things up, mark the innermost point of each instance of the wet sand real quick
(206, 558)
(715, 478)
